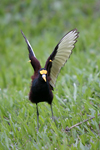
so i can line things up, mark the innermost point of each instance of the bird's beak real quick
(44, 77)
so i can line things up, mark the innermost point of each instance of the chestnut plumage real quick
(44, 79)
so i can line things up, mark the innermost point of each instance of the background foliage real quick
(77, 92)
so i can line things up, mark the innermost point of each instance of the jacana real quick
(44, 79)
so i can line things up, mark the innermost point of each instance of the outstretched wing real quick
(60, 55)
(34, 62)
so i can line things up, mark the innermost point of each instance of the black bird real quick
(44, 79)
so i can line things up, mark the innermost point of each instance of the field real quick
(77, 91)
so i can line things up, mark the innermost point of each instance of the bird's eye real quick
(43, 72)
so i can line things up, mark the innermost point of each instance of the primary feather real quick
(28, 44)
(64, 50)
(34, 62)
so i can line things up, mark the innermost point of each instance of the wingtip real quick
(23, 34)
(21, 31)
(25, 38)
(76, 32)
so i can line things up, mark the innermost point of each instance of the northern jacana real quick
(44, 79)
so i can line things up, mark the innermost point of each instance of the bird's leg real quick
(53, 118)
(37, 117)
(52, 113)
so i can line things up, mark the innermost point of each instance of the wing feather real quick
(29, 45)
(34, 62)
(63, 52)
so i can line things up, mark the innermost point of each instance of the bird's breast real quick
(38, 86)
(40, 92)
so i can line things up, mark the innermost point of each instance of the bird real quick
(44, 79)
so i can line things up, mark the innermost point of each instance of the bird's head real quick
(43, 74)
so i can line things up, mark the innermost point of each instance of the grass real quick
(77, 92)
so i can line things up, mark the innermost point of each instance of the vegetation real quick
(77, 92)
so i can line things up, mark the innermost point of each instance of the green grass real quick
(77, 92)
